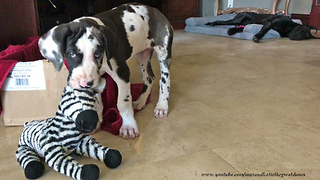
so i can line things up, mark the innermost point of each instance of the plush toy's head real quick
(80, 106)
(86, 121)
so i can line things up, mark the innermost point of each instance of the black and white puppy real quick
(103, 43)
(280, 23)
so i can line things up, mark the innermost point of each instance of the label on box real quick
(25, 76)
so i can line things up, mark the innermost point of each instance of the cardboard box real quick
(32, 91)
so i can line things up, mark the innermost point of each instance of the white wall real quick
(296, 6)
(208, 7)
(299, 6)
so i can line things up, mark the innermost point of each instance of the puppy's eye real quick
(97, 54)
(72, 54)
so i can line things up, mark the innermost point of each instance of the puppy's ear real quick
(110, 43)
(52, 45)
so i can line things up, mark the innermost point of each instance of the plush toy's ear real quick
(110, 43)
(52, 45)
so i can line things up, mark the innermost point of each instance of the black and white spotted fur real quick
(103, 43)
(55, 138)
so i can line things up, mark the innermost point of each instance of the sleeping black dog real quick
(280, 23)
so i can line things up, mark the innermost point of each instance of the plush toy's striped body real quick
(55, 138)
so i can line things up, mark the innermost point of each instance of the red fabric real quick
(13, 54)
(112, 120)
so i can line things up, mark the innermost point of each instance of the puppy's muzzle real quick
(86, 84)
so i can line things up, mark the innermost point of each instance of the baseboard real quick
(303, 17)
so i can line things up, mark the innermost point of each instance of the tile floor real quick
(235, 107)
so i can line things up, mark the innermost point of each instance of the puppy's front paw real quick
(160, 113)
(129, 131)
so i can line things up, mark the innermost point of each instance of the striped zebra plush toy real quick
(55, 138)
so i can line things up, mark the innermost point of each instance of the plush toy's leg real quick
(30, 162)
(91, 148)
(61, 162)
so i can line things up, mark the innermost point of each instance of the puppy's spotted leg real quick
(99, 111)
(143, 58)
(162, 107)
(99, 89)
(120, 73)
(129, 128)
(163, 50)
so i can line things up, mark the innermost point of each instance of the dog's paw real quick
(129, 131)
(138, 105)
(255, 39)
(160, 113)
(161, 110)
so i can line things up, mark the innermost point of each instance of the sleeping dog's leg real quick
(234, 30)
(239, 19)
(143, 58)
(275, 22)
(266, 27)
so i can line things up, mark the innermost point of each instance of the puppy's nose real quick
(90, 83)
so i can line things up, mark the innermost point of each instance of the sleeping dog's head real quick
(302, 32)
(85, 43)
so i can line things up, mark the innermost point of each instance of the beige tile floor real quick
(235, 107)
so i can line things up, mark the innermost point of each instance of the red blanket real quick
(112, 120)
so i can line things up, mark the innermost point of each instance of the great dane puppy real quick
(280, 23)
(103, 43)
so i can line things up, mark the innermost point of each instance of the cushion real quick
(197, 25)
